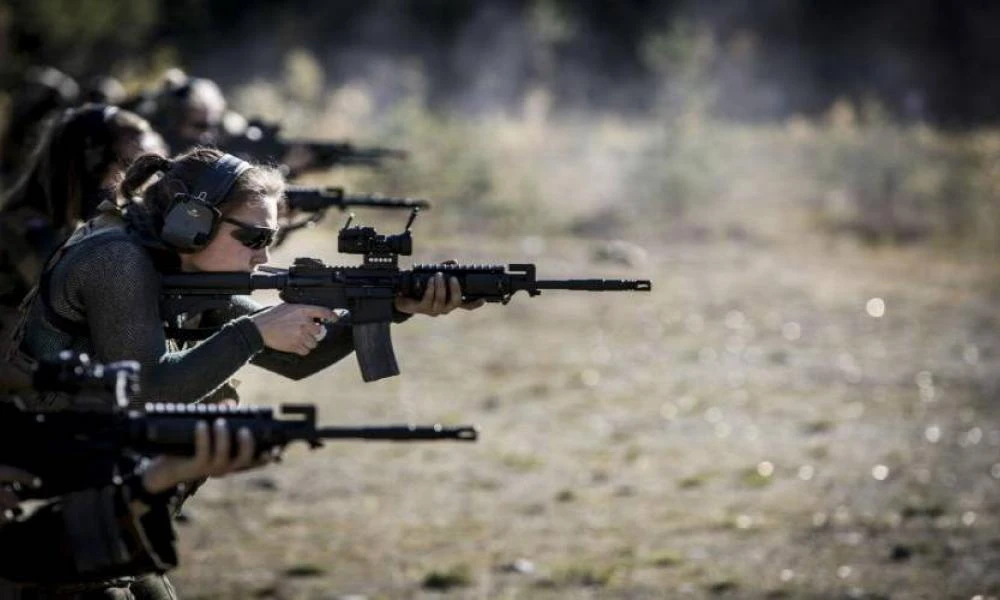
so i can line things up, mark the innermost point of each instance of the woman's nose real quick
(261, 257)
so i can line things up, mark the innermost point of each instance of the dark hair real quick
(77, 154)
(43, 93)
(179, 176)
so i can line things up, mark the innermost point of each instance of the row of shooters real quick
(366, 292)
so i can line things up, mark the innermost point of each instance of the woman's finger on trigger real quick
(321, 313)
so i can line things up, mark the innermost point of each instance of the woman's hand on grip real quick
(295, 328)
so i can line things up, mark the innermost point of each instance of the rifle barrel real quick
(402, 433)
(314, 199)
(377, 152)
(384, 201)
(591, 285)
(346, 150)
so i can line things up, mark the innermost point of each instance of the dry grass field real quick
(775, 420)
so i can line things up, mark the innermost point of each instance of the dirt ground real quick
(774, 420)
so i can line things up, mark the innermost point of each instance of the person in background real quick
(45, 91)
(104, 89)
(76, 167)
(187, 111)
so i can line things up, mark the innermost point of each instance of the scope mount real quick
(378, 250)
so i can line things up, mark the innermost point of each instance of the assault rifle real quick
(368, 291)
(50, 441)
(262, 141)
(317, 200)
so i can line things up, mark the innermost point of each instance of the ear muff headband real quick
(192, 219)
(216, 181)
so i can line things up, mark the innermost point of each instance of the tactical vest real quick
(15, 365)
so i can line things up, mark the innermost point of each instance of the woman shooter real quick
(202, 211)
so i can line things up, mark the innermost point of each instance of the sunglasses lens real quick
(254, 238)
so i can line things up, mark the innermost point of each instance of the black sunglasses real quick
(252, 236)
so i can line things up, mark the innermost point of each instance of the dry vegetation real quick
(804, 407)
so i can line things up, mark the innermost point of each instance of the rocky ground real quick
(775, 420)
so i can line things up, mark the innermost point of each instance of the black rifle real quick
(317, 200)
(262, 141)
(44, 442)
(369, 290)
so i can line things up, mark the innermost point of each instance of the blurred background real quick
(865, 122)
(805, 406)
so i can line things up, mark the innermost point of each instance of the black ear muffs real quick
(190, 222)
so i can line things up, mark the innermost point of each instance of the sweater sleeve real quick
(337, 344)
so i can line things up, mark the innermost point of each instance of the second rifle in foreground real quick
(101, 424)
